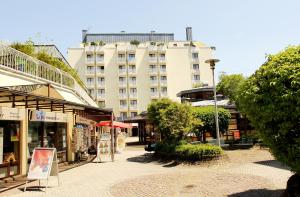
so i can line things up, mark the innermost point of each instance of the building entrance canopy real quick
(115, 124)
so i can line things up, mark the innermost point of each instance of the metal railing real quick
(24, 64)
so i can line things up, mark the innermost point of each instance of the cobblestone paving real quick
(241, 173)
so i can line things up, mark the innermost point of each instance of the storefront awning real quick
(115, 124)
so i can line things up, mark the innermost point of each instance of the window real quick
(133, 114)
(133, 92)
(122, 91)
(91, 92)
(153, 90)
(90, 69)
(152, 68)
(89, 57)
(164, 89)
(123, 103)
(99, 57)
(122, 80)
(89, 81)
(152, 57)
(132, 80)
(163, 68)
(131, 69)
(163, 78)
(153, 79)
(101, 80)
(131, 57)
(101, 92)
(133, 104)
(122, 69)
(162, 57)
(100, 69)
(196, 66)
(175, 45)
(101, 104)
(121, 55)
(123, 115)
(195, 56)
(196, 77)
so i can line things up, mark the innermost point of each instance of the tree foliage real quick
(229, 85)
(271, 100)
(173, 120)
(27, 47)
(207, 116)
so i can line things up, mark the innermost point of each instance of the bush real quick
(185, 151)
(270, 100)
(197, 152)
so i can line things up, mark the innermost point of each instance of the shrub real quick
(197, 152)
(165, 150)
(270, 100)
(135, 42)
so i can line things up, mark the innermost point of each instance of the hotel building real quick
(126, 71)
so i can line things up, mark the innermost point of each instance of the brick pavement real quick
(145, 178)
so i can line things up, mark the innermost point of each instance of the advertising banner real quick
(41, 163)
(36, 115)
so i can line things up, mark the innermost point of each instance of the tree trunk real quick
(293, 187)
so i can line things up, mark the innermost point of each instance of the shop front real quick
(10, 122)
(83, 137)
(48, 129)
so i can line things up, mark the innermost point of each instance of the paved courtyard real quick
(240, 173)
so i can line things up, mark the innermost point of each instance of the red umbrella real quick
(115, 124)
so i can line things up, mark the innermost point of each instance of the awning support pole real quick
(112, 137)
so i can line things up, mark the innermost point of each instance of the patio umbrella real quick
(115, 124)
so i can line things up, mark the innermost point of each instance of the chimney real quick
(84, 32)
(189, 34)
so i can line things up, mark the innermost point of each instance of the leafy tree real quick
(173, 120)
(229, 85)
(135, 42)
(271, 100)
(207, 116)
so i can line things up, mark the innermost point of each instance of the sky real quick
(243, 31)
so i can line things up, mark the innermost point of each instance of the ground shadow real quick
(34, 188)
(151, 158)
(259, 193)
(273, 163)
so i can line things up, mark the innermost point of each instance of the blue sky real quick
(243, 31)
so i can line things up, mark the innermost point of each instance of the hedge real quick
(195, 152)
(189, 152)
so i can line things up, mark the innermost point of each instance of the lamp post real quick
(212, 67)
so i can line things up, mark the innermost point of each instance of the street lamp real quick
(212, 67)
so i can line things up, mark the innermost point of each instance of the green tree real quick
(207, 116)
(173, 120)
(270, 98)
(229, 85)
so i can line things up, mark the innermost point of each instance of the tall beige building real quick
(127, 71)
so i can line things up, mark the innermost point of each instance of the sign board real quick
(103, 146)
(43, 164)
(7, 113)
(82, 120)
(121, 142)
(36, 115)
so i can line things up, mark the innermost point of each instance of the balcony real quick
(162, 59)
(99, 59)
(134, 106)
(123, 106)
(132, 83)
(90, 84)
(153, 59)
(122, 95)
(131, 59)
(122, 71)
(133, 95)
(101, 83)
(90, 72)
(163, 82)
(154, 94)
(101, 95)
(122, 83)
(162, 70)
(89, 49)
(131, 71)
(121, 59)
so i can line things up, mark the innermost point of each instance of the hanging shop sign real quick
(36, 115)
(82, 120)
(7, 113)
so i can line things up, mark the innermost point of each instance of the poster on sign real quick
(43, 164)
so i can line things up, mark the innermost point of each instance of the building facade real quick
(127, 76)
